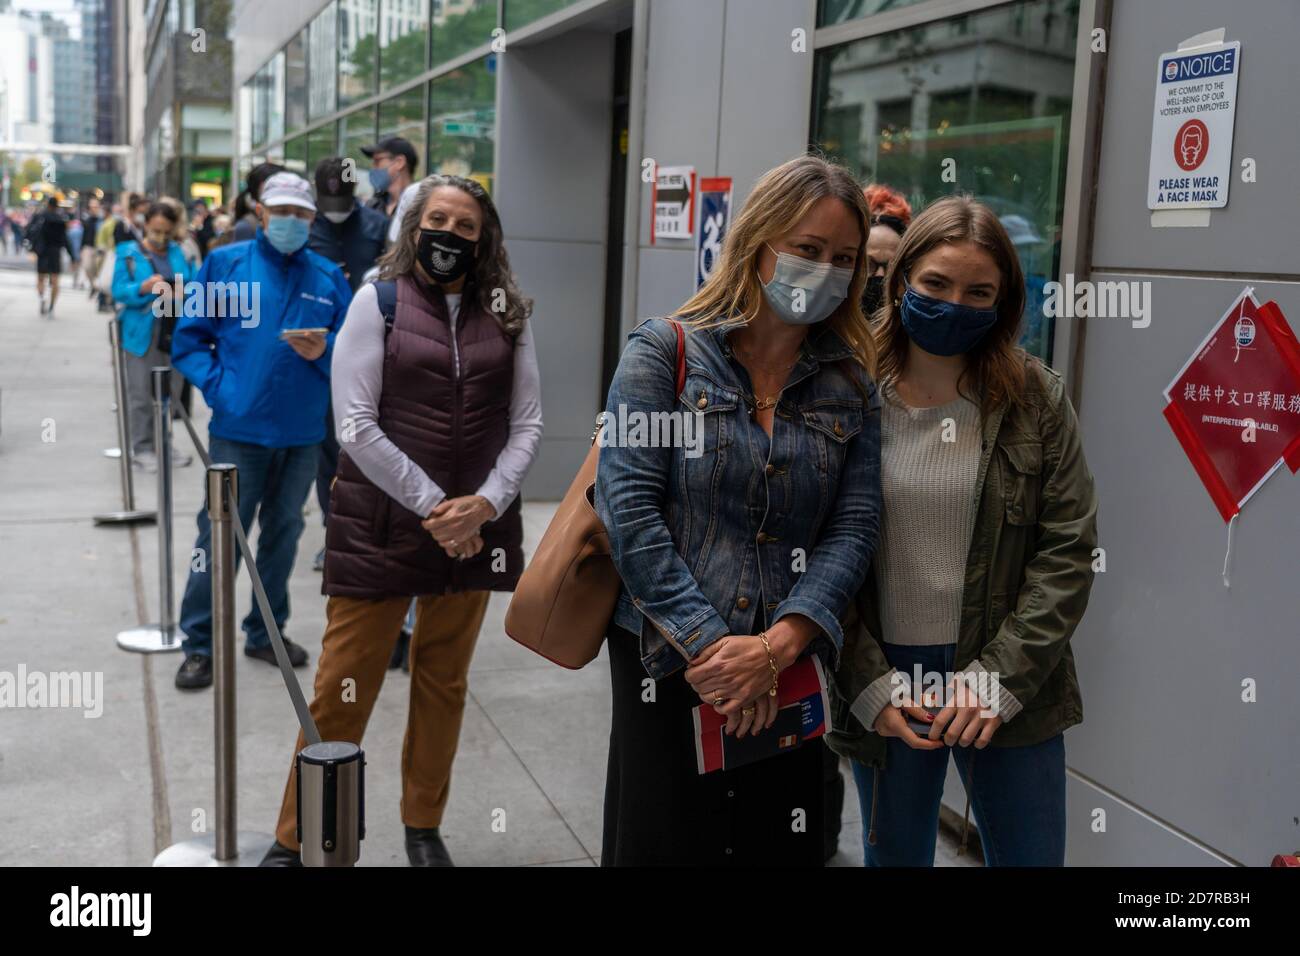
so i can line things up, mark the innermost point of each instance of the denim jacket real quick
(699, 533)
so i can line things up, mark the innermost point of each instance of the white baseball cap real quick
(287, 189)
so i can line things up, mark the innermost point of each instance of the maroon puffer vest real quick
(453, 426)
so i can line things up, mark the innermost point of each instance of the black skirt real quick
(660, 811)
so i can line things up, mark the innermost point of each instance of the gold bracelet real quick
(771, 662)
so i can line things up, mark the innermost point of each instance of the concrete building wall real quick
(1164, 648)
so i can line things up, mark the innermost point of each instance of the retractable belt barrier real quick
(331, 775)
(129, 513)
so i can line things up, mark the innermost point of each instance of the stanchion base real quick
(149, 639)
(127, 517)
(112, 453)
(250, 846)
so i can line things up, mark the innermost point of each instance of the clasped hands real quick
(455, 524)
(736, 670)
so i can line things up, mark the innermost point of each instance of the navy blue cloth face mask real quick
(943, 328)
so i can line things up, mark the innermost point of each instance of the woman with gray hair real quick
(437, 409)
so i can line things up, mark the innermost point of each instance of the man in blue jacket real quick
(258, 346)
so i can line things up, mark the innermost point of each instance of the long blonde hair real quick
(781, 198)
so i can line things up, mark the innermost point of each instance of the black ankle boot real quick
(424, 847)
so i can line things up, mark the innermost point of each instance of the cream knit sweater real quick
(929, 464)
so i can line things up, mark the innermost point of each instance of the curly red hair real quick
(883, 201)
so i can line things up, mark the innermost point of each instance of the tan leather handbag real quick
(565, 598)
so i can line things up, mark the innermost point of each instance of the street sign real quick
(674, 203)
(715, 215)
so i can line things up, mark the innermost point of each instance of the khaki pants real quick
(359, 640)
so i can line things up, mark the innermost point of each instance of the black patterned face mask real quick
(444, 255)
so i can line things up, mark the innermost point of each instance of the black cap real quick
(396, 146)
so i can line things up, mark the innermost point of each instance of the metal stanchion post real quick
(156, 638)
(226, 846)
(129, 514)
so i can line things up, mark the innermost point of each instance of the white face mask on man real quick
(337, 217)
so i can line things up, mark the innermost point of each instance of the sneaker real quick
(146, 461)
(180, 459)
(297, 656)
(318, 562)
(195, 672)
(42, 305)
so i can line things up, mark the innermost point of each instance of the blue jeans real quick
(273, 484)
(1017, 794)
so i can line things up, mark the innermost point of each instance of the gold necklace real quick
(771, 400)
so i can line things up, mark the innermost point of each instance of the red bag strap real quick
(681, 357)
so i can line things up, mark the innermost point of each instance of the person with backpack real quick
(438, 414)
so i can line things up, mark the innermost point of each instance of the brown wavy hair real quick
(491, 264)
(781, 198)
(995, 369)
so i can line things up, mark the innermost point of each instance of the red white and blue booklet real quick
(804, 714)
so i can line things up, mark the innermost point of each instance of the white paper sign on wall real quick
(1191, 131)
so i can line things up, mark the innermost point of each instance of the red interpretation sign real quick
(1235, 405)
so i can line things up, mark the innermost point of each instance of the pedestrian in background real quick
(247, 217)
(48, 235)
(438, 411)
(393, 167)
(148, 284)
(352, 236)
(890, 214)
(266, 378)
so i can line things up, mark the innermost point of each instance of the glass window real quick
(295, 155)
(994, 97)
(295, 83)
(321, 142)
(403, 116)
(357, 130)
(403, 37)
(522, 12)
(275, 97)
(841, 11)
(358, 50)
(246, 118)
(460, 25)
(322, 62)
(462, 122)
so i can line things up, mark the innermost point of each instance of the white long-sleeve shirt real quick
(356, 381)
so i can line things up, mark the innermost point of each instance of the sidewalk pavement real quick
(117, 789)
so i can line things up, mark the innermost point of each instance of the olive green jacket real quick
(1028, 574)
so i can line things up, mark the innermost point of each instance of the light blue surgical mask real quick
(803, 292)
(287, 233)
(380, 179)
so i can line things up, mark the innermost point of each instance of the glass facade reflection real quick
(991, 93)
(462, 122)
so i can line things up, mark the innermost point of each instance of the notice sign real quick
(1235, 405)
(674, 203)
(715, 213)
(1191, 133)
